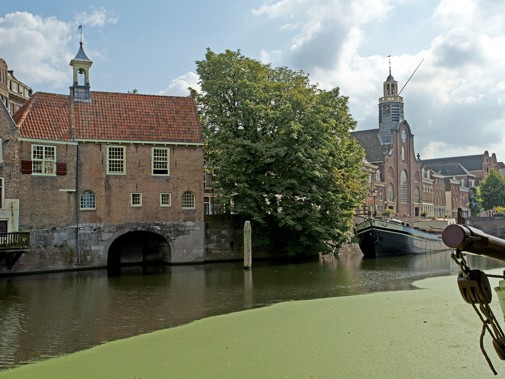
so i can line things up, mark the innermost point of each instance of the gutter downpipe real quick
(72, 136)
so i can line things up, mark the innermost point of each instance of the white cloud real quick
(271, 57)
(43, 42)
(456, 97)
(180, 85)
(34, 46)
(96, 18)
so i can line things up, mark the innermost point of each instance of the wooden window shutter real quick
(61, 168)
(26, 167)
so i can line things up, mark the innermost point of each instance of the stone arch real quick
(137, 245)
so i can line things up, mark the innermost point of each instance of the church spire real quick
(80, 90)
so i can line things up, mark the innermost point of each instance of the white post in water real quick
(247, 245)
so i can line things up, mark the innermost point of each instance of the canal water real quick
(47, 315)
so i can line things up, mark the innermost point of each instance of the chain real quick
(460, 260)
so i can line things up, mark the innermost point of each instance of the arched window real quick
(403, 153)
(88, 200)
(417, 195)
(391, 173)
(188, 200)
(390, 193)
(403, 187)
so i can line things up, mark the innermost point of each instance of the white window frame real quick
(188, 203)
(136, 199)
(116, 160)
(41, 156)
(160, 162)
(89, 198)
(167, 203)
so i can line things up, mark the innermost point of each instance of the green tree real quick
(281, 152)
(475, 201)
(492, 190)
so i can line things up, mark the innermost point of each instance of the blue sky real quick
(455, 103)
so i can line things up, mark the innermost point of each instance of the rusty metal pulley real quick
(474, 287)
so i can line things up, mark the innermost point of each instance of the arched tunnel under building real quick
(138, 248)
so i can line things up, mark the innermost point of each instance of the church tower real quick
(390, 109)
(80, 65)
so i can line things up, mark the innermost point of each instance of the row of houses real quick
(402, 184)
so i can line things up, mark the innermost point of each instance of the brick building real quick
(106, 178)
(13, 92)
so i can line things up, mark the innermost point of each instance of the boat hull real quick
(379, 238)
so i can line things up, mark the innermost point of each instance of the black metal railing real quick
(15, 240)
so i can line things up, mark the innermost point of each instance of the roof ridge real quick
(141, 94)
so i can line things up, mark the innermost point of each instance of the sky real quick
(454, 103)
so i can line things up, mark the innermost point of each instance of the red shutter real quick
(26, 167)
(61, 168)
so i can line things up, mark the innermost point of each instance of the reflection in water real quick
(51, 314)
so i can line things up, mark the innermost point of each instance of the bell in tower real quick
(80, 65)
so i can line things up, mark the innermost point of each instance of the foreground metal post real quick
(247, 245)
(473, 240)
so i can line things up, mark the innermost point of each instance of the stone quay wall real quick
(219, 238)
(490, 225)
(57, 249)
(224, 239)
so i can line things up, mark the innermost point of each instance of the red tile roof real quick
(111, 116)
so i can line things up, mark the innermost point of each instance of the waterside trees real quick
(280, 151)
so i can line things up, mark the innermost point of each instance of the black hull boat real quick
(380, 238)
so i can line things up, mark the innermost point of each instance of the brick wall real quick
(45, 201)
(113, 191)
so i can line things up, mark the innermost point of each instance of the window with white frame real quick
(165, 199)
(116, 160)
(160, 161)
(88, 200)
(188, 200)
(43, 160)
(136, 199)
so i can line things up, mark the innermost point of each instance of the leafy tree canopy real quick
(475, 201)
(280, 151)
(492, 190)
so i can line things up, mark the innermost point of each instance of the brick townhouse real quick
(105, 178)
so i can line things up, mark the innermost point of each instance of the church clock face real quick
(386, 109)
(403, 135)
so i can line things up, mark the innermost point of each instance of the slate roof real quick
(110, 116)
(369, 140)
(449, 169)
(470, 162)
(81, 55)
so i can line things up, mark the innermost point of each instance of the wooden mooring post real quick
(247, 245)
